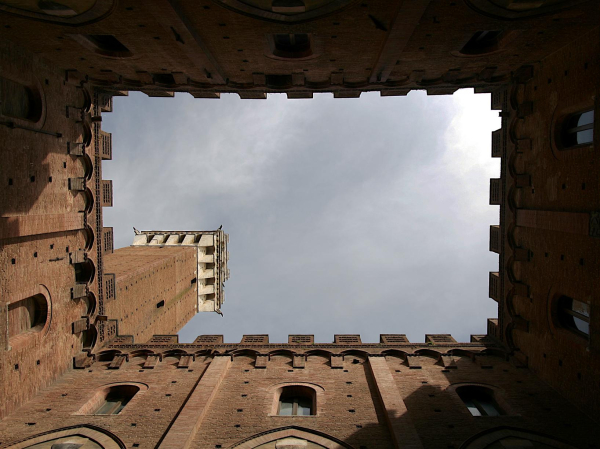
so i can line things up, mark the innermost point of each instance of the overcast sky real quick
(359, 216)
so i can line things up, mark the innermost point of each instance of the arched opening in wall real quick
(503, 437)
(84, 272)
(88, 200)
(86, 134)
(574, 315)
(89, 337)
(26, 316)
(90, 303)
(108, 356)
(482, 42)
(139, 357)
(88, 166)
(78, 436)
(104, 44)
(84, 99)
(111, 400)
(88, 234)
(19, 101)
(577, 130)
(291, 437)
(296, 400)
(479, 400)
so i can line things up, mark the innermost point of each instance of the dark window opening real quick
(27, 315)
(479, 400)
(84, 272)
(160, 304)
(574, 315)
(278, 81)
(19, 101)
(292, 45)
(482, 42)
(578, 129)
(105, 45)
(163, 78)
(296, 401)
(116, 399)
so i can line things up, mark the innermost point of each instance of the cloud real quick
(346, 216)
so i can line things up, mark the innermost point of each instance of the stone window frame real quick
(557, 319)
(274, 394)
(92, 405)
(101, 436)
(566, 128)
(498, 395)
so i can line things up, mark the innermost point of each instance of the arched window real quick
(27, 315)
(479, 400)
(19, 101)
(574, 315)
(114, 399)
(578, 129)
(297, 400)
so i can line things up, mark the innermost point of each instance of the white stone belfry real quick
(212, 257)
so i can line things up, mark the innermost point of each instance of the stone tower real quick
(160, 282)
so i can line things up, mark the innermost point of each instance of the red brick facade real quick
(77, 321)
(155, 290)
(367, 395)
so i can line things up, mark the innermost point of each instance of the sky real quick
(346, 216)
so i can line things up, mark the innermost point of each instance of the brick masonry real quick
(223, 398)
(543, 68)
(154, 290)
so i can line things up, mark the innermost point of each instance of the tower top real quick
(212, 257)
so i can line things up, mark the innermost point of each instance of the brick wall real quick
(154, 293)
(368, 398)
(550, 251)
(44, 224)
